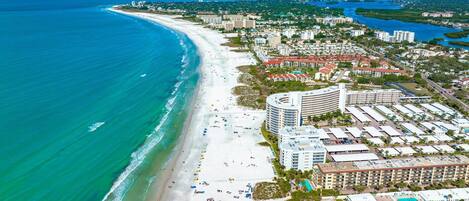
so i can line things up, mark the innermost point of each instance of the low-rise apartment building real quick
(383, 96)
(419, 171)
(377, 72)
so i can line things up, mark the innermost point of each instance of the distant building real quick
(327, 48)
(334, 20)
(238, 24)
(400, 36)
(397, 37)
(317, 61)
(324, 73)
(382, 35)
(234, 17)
(464, 83)
(355, 33)
(244, 23)
(210, 19)
(307, 35)
(288, 33)
(249, 24)
(138, 4)
(274, 40)
(284, 49)
(228, 25)
(260, 41)
(437, 14)
(376, 72)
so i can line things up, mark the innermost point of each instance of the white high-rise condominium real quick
(382, 35)
(289, 109)
(302, 154)
(401, 36)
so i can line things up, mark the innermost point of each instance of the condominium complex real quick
(334, 20)
(302, 154)
(231, 21)
(332, 49)
(301, 147)
(376, 72)
(210, 19)
(274, 39)
(384, 97)
(288, 109)
(317, 61)
(420, 171)
(400, 36)
(397, 37)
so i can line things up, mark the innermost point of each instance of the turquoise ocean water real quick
(90, 100)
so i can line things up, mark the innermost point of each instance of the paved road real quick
(445, 93)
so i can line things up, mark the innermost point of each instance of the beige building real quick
(419, 171)
(228, 25)
(386, 97)
(234, 17)
(274, 40)
(210, 19)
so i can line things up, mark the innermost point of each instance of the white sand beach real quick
(219, 153)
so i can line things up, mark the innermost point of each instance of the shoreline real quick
(197, 159)
(164, 176)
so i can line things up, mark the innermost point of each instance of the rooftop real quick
(361, 197)
(346, 147)
(299, 131)
(291, 100)
(394, 163)
(390, 131)
(338, 133)
(373, 131)
(354, 157)
(302, 145)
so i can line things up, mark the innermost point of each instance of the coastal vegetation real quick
(459, 34)
(336, 118)
(415, 89)
(383, 79)
(411, 15)
(439, 68)
(256, 86)
(267, 190)
(234, 42)
(388, 14)
(460, 43)
(435, 5)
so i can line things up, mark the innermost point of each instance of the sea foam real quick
(95, 126)
(120, 186)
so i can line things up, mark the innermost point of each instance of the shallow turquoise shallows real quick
(90, 100)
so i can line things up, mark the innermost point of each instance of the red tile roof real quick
(318, 59)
